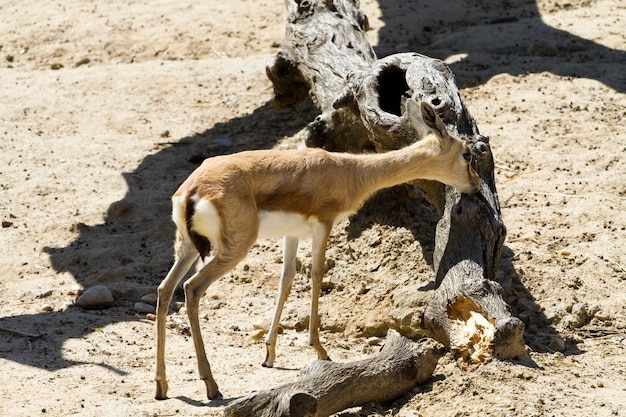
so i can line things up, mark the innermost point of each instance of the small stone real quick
(97, 297)
(44, 294)
(151, 317)
(557, 344)
(144, 308)
(602, 315)
(6, 223)
(75, 290)
(373, 341)
(177, 306)
(120, 208)
(82, 62)
(56, 66)
(149, 299)
(580, 316)
(264, 325)
(47, 308)
(258, 333)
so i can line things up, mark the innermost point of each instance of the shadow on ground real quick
(495, 37)
(138, 233)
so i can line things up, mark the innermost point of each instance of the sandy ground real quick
(105, 108)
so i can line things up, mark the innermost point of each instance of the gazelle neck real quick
(400, 166)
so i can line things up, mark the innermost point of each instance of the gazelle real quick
(231, 201)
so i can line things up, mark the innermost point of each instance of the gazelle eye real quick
(467, 156)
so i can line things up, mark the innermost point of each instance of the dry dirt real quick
(105, 107)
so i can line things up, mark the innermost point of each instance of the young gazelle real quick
(231, 201)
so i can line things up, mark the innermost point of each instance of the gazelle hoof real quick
(214, 396)
(212, 392)
(161, 390)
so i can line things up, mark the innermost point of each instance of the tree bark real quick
(326, 387)
(362, 102)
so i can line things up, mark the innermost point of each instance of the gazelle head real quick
(453, 157)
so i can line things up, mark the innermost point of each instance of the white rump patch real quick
(205, 220)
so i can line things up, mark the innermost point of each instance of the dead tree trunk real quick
(327, 56)
(325, 387)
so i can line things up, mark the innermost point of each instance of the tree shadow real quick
(402, 206)
(495, 37)
(539, 334)
(133, 249)
(37, 339)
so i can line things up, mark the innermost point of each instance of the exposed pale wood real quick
(325, 387)
(362, 104)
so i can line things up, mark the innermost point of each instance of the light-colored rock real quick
(144, 308)
(149, 299)
(258, 333)
(373, 341)
(97, 297)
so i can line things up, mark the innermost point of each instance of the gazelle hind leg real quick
(290, 249)
(195, 288)
(320, 239)
(185, 258)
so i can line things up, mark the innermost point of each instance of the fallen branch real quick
(326, 387)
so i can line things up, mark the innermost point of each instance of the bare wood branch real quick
(325, 387)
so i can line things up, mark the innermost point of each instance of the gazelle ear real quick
(432, 120)
(415, 118)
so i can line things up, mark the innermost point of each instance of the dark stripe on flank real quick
(202, 244)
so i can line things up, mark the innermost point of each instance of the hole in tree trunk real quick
(392, 86)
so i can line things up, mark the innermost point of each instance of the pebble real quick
(97, 297)
(177, 306)
(557, 344)
(75, 290)
(373, 341)
(144, 308)
(149, 299)
(258, 333)
(120, 208)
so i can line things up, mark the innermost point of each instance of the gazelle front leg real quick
(320, 239)
(290, 248)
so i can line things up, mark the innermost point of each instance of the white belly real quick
(276, 224)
